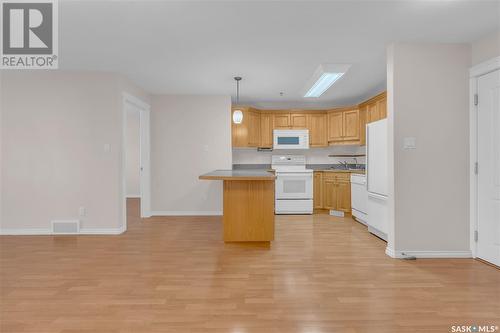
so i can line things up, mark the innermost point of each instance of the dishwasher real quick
(359, 197)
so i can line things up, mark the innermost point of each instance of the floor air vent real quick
(66, 227)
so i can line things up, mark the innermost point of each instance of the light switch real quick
(107, 147)
(205, 148)
(409, 143)
(82, 211)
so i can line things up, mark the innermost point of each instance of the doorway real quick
(136, 154)
(486, 167)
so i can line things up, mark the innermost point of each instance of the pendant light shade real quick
(237, 114)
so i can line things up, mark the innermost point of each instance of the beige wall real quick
(486, 48)
(190, 135)
(428, 99)
(55, 126)
(133, 156)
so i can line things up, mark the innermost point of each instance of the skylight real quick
(324, 77)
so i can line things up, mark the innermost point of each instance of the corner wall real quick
(190, 135)
(485, 48)
(54, 129)
(428, 99)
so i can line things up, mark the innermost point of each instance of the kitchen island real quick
(248, 213)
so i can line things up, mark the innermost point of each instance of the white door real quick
(488, 119)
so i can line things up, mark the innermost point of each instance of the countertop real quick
(238, 175)
(342, 171)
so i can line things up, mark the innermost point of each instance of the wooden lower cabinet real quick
(343, 197)
(318, 190)
(332, 191)
(329, 194)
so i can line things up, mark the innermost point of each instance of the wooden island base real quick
(248, 205)
(248, 210)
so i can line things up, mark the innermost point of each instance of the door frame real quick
(474, 73)
(145, 152)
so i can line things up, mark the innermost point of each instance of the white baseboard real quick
(390, 252)
(186, 213)
(427, 254)
(48, 232)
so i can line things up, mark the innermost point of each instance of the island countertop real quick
(238, 175)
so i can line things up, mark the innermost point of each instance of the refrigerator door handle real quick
(367, 157)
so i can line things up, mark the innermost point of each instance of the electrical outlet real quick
(409, 143)
(82, 211)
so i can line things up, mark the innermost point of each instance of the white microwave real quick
(291, 139)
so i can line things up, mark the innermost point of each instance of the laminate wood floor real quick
(321, 274)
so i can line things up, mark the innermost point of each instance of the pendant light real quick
(237, 114)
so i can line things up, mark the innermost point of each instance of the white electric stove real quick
(293, 185)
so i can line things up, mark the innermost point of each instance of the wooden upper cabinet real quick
(318, 129)
(373, 114)
(342, 126)
(239, 132)
(376, 107)
(335, 126)
(382, 107)
(282, 121)
(246, 134)
(266, 130)
(253, 128)
(351, 125)
(298, 120)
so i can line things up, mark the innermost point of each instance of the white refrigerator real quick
(376, 178)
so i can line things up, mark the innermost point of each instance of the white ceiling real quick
(193, 47)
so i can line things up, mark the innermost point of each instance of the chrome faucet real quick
(345, 164)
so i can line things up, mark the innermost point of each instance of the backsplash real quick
(313, 155)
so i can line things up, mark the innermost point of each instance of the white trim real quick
(145, 148)
(136, 101)
(390, 252)
(145, 159)
(475, 72)
(133, 196)
(427, 254)
(485, 67)
(186, 213)
(48, 232)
